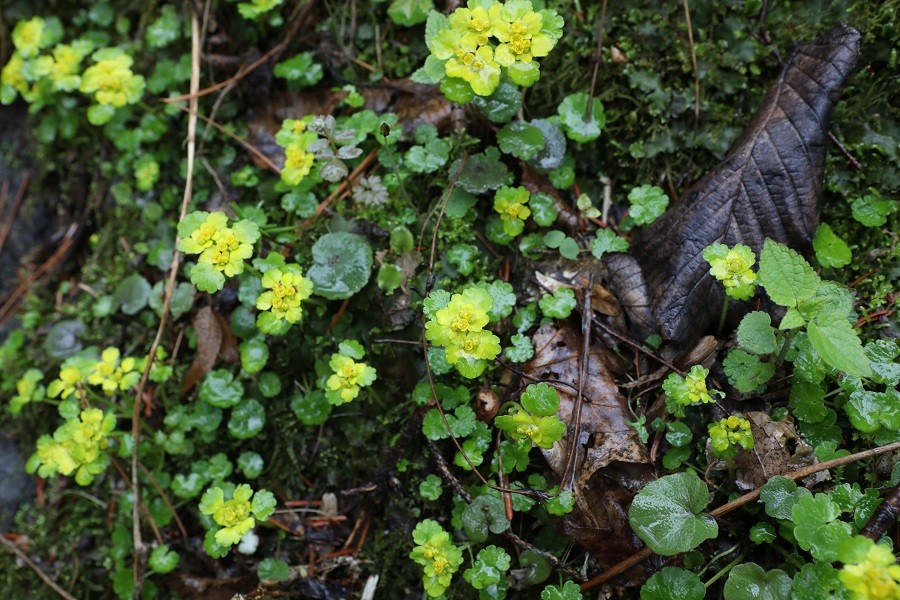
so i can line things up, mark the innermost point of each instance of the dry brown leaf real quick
(778, 449)
(209, 334)
(612, 463)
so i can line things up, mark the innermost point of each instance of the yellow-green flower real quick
(28, 37)
(146, 173)
(476, 65)
(114, 375)
(473, 346)
(286, 290)
(28, 389)
(465, 313)
(77, 446)
(510, 203)
(66, 64)
(437, 556)
(12, 79)
(111, 80)
(237, 515)
(733, 267)
(543, 431)
(201, 237)
(229, 251)
(518, 28)
(728, 434)
(67, 384)
(256, 8)
(473, 23)
(297, 164)
(875, 577)
(347, 377)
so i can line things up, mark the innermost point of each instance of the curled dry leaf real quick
(612, 463)
(768, 186)
(208, 330)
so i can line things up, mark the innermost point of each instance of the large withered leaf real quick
(767, 187)
(612, 463)
(208, 329)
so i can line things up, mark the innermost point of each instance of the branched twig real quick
(626, 340)
(139, 547)
(634, 559)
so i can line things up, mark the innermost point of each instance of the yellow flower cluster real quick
(523, 35)
(295, 139)
(222, 248)
(875, 577)
(285, 289)
(459, 327)
(112, 374)
(347, 377)
(727, 435)
(111, 80)
(437, 555)
(77, 446)
(237, 515)
(733, 267)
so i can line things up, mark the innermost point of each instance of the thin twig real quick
(598, 60)
(139, 547)
(623, 338)
(17, 202)
(690, 30)
(34, 567)
(568, 477)
(634, 559)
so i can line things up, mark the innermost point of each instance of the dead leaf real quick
(208, 331)
(612, 463)
(778, 449)
(767, 187)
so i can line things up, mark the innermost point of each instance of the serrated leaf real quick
(273, 569)
(607, 241)
(481, 172)
(567, 591)
(540, 399)
(807, 401)
(648, 203)
(816, 527)
(746, 372)
(543, 209)
(839, 346)
(667, 514)
(786, 275)
(756, 334)
(559, 305)
(872, 210)
(779, 495)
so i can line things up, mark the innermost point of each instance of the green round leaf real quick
(163, 560)
(668, 516)
(251, 464)
(219, 388)
(521, 140)
(750, 582)
(540, 399)
(831, 251)
(312, 408)
(543, 209)
(132, 294)
(342, 264)
(485, 514)
(247, 419)
(572, 112)
(254, 355)
(502, 105)
(756, 334)
(673, 583)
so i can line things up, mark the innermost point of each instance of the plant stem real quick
(724, 314)
(725, 569)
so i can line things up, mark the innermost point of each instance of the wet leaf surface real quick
(767, 187)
